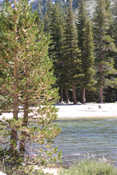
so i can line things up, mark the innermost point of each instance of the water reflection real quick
(84, 139)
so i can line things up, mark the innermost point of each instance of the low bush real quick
(90, 168)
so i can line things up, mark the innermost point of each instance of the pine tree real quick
(72, 63)
(55, 29)
(114, 24)
(86, 44)
(104, 46)
(112, 91)
(56, 32)
(29, 80)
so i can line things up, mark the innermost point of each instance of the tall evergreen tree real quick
(56, 31)
(86, 44)
(114, 24)
(72, 62)
(28, 81)
(104, 46)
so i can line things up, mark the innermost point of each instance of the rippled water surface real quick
(84, 139)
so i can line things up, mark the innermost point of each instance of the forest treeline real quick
(83, 49)
(82, 46)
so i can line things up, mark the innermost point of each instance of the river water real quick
(88, 139)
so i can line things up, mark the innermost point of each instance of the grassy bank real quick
(90, 168)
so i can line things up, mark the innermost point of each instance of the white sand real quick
(1, 173)
(88, 110)
(53, 171)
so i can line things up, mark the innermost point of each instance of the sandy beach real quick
(81, 111)
(88, 110)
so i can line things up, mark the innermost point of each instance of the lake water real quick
(88, 139)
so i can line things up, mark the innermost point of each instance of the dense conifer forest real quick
(83, 48)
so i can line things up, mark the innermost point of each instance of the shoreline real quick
(87, 111)
(80, 111)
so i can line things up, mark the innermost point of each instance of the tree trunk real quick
(84, 96)
(13, 142)
(61, 94)
(15, 107)
(101, 95)
(24, 124)
(74, 94)
(26, 111)
(66, 96)
(101, 86)
(13, 137)
(15, 95)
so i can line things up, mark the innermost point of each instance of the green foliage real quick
(72, 62)
(105, 46)
(86, 44)
(28, 84)
(90, 168)
(75, 67)
(56, 30)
